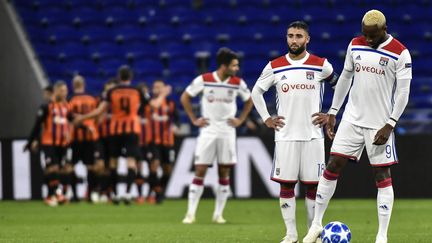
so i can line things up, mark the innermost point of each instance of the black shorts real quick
(124, 145)
(54, 155)
(86, 151)
(165, 154)
(146, 153)
(104, 146)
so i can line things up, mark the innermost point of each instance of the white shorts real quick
(298, 160)
(350, 141)
(222, 149)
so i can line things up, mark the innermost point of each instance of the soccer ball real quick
(336, 232)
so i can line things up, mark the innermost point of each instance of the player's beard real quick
(298, 51)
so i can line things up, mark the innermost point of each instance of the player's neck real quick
(297, 57)
(221, 75)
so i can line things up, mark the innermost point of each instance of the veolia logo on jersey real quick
(286, 87)
(368, 69)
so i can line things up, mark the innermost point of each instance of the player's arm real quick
(157, 102)
(245, 94)
(196, 87)
(403, 82)
(33, 139)
(331, 77)
(264, 82)
(102, 107)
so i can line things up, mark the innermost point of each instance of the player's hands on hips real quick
(275, 122)
(331, 123)
(320, 119)
(383, 135)
(200, 122)
(234, 122)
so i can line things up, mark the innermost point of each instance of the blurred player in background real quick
(85, 146)
(145, 140)
(33, 140)
(164, 121)
(124, 101)
(104, 121)
(217, 138)
(381, 67)
(52, 124)
(299, 151)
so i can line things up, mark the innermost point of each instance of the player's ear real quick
(307, 39)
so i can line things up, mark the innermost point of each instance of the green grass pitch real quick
(248, 221)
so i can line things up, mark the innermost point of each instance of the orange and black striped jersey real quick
(146, 125)
(54, 118)
(162, 120)
(83, 104)
(104, 120)
(125, 102)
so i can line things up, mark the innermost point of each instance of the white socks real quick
(222, 195)
(310, 206)
(325, 191)
(195, 192)
(385, 200)
(288, 208)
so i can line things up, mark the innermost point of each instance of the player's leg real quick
(52, 170)
(205, 153)
(287, 203)
(168, 159)
(114, 153)
(285, 171)
(226, 154)
(311, 168)
(381, 158)
(131, 144)
(347, 145)
(222, 193)
(385, 198)
(139, 180)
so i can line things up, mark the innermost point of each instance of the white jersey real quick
(299, 93)
(218, 101)
(371, 98)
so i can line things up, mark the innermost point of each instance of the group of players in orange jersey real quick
(125, 121)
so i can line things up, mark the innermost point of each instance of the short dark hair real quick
(59, 83)
(48, 88)
(124, 73)
(225, 56)
(299, 25)
(141, 85)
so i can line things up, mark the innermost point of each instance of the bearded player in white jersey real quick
(218, 122)
(299, 152)
(381, 67)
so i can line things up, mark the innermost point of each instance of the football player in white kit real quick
(299, 151)
(381, 67)
(217, 137)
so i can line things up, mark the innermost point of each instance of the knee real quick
(382, 174)
(336, 164)
(311, 191)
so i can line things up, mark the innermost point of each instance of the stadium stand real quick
(167, 38)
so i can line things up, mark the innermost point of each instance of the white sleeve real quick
(266, 79)
(403, 66)
(328, 74)
(196, 87)
(349, 62)
(401, 100)
(244, 91)
(342, 87)
(259, 102)
(327, 69)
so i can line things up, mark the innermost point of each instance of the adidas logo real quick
(319, 196)
(283, 77)
(285, 205)
(358, 57)
(384, 207)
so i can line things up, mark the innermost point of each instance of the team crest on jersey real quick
(310, 75)
(383, 61)
(230, 92)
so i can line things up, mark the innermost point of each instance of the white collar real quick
(300, 61)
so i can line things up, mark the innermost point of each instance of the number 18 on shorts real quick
(298, 160)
